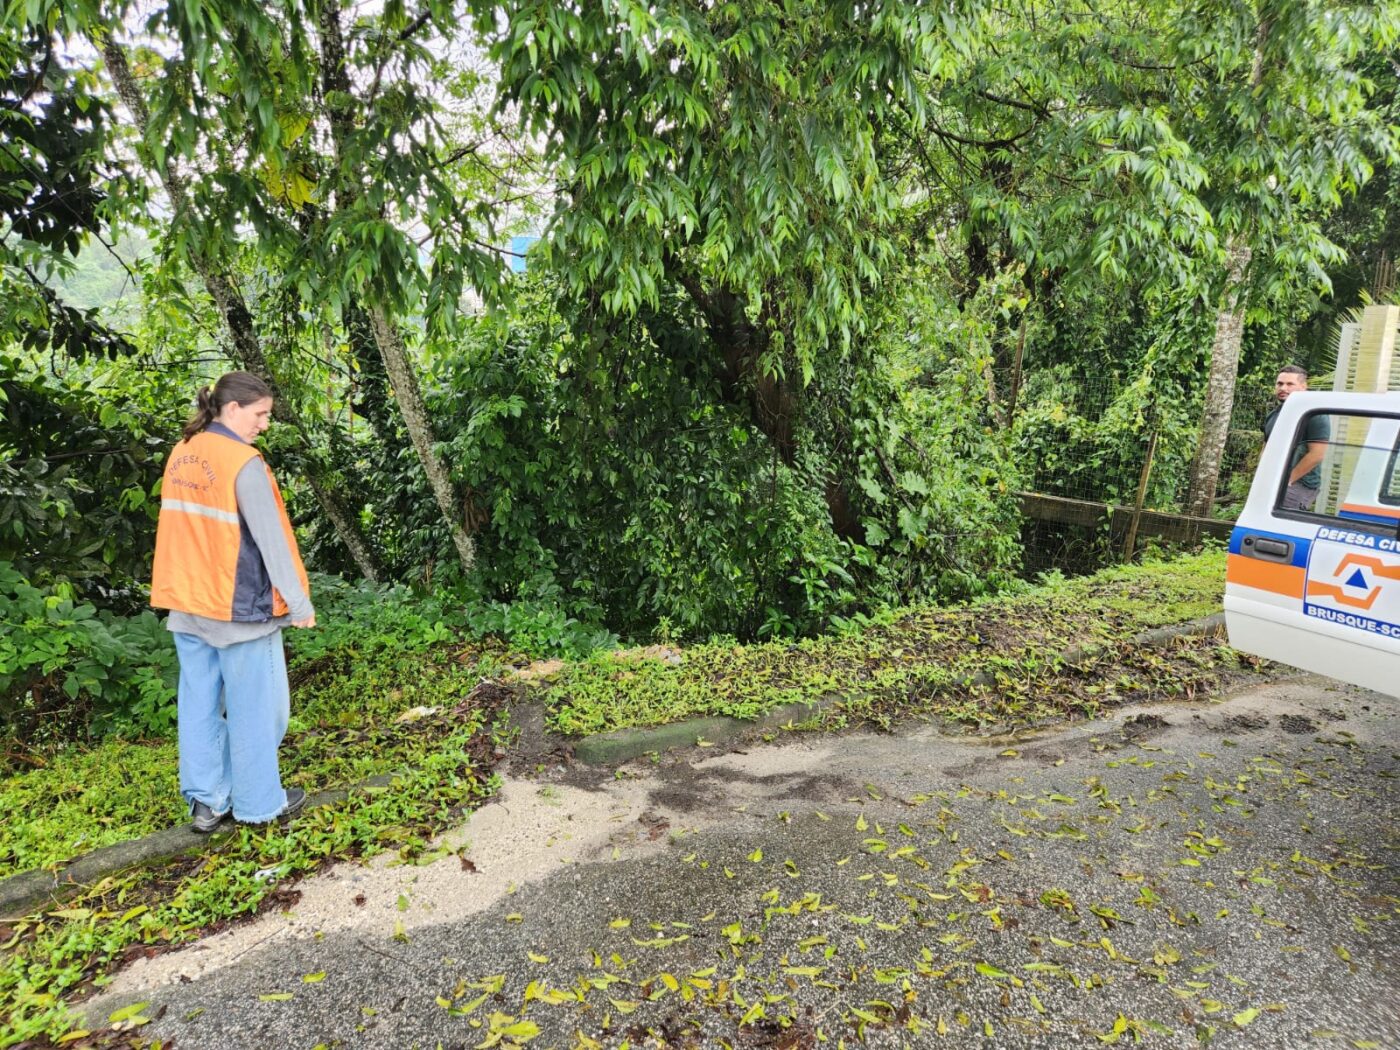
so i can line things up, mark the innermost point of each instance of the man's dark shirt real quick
(1317, 428)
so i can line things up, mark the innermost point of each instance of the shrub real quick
(369, 618)
(64, 663)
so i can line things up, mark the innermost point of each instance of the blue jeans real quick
(233, 707)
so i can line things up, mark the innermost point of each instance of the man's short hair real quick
(1295, 370)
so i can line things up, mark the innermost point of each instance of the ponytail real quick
(204, 413)
(242, 388)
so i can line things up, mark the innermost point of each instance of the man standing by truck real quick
(1306, 474)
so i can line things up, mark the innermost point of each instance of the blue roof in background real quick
(518, 247)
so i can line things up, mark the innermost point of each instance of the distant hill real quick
(100, 280)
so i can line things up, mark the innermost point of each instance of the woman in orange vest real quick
(228, 569)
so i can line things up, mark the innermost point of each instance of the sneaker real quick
(204, 820)
(296, 798)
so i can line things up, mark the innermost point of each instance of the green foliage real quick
(372, 620)
(56, 173)
(108, 280)
(69, 670)
(1090, 448)
(655, 501)
(81, 453)
(358, 713)
(63, 663)
(1284, 126)
(1366, 226)
(935, 479)
(369, 620)
(324, 130)
(759, 391)
(771, 152)
(734, 143)
(1088, 86)
(641, 491)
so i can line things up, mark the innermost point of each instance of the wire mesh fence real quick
(1106, 466)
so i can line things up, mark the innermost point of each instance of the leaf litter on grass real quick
(55, 956)
(999, 661)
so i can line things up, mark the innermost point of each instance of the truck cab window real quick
(1343, 467)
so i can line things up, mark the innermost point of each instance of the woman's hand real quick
(310, 621)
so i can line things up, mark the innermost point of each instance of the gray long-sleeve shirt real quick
(257, 506)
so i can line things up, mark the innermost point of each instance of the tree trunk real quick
(374, 399)
(741, 343)
(246, 350)
(1225, 347)
(772, 403)
(1220, 387)
(420, 431)
(335, 82)
(347, 528)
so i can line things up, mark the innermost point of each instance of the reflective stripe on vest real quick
(195, 508)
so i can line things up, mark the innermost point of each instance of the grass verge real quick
(345, 728)
(915, 661)
(53, 956)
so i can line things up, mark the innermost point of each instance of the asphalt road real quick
(1220, 873)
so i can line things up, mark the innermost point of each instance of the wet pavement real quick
(1220, 873)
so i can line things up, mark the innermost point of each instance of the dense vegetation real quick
(815, 283)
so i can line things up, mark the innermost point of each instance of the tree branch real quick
(1030, 107)
(1003, 143)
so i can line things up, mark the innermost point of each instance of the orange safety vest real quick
(206, 561)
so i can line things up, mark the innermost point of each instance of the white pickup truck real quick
(1319, 587)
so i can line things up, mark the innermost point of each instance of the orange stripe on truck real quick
(1265, 575)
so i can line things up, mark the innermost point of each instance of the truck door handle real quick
(1267, 548)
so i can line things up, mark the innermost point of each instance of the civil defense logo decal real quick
(1358, 588)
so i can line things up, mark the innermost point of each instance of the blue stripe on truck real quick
(1373, 519)
(1301, 544)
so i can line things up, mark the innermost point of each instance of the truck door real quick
(1313, 577)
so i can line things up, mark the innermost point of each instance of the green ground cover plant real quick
(84, 799)
(907, 662)
(53, 955)
(70, 671)
(345, 728)
(68, 668)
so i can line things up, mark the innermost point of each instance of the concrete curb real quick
(27, 891)
(622, 745)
